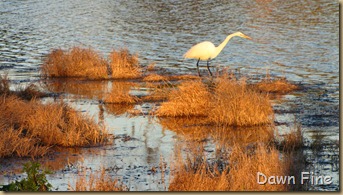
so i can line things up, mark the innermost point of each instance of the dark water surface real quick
(295, 39)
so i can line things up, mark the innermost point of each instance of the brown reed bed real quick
(124, 65)
(97, 182)
(38, 126)
(76, 62)
(238, 175)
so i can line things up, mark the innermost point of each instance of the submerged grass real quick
(98, 182)
(238, 175)
(77, 62)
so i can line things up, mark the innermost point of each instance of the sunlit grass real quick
(33, 127)
(76, 62)
(124, 65)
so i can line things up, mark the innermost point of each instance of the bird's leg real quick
(198, 67)
(208, 68)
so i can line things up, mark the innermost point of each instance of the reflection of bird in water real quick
(206, 50)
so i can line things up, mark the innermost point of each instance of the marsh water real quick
(295, 39)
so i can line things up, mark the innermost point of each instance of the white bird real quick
(206, 50)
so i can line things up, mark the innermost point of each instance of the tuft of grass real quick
(155, 78)
(224, 101)
(124, 65)
(192, 98)
(98, 182)
(32, 128)
(184, 77)
(293, 140)
(77, 62)
(237, 105)
(276, 86)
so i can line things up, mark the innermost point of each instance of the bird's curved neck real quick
(222, 45)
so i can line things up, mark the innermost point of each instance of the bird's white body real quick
(206, 50)
(203, 51)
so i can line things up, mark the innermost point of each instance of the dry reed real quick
(77, 62)
(276, 86)
(190, 99)
(235, 104)
(154, 78)
(34, 127)
(124, 65)
(230, 103)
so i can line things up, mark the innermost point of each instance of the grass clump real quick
(190, 99)
(77, 62)
(224, 101)
(4, 85)
(155, 78)
(31, 128)
(124, 65)
(98, 182)
(276, 86)
(237, 105)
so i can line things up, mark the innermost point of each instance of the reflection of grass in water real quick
(86, 89)
(119, 94)
(118, 109)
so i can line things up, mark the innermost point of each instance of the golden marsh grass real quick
(124, 65)
(34, 127)
(76, 62)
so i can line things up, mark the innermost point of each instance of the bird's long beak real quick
(247, 37)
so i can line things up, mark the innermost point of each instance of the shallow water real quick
(297, 39)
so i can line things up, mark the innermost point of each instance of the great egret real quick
(206, 50)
